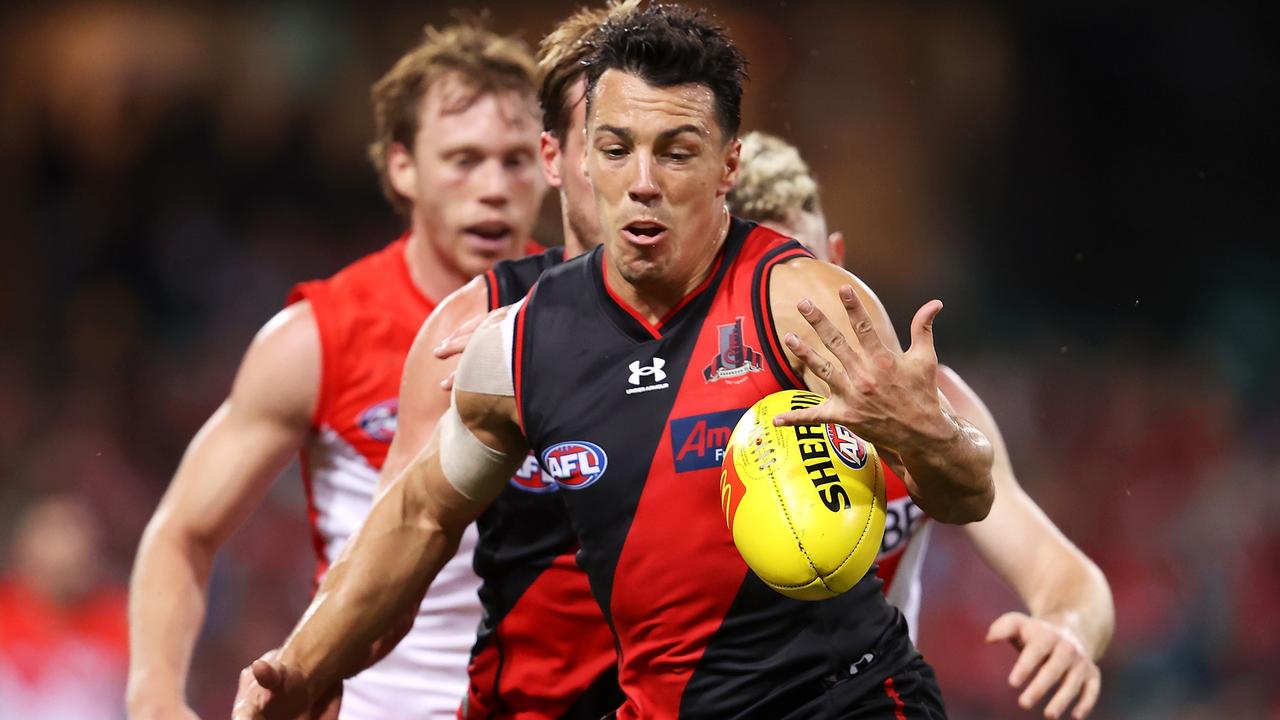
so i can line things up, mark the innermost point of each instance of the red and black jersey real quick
(543, 649)
(630, 420)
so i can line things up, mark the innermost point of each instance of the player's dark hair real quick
(667, 45)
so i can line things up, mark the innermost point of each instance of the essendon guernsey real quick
(629, 419)
(543, 650)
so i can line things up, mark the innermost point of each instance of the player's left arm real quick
(887, 396)
(422, 398)
(1070, 613)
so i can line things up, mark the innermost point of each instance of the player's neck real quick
(433, 275)
(573, 247)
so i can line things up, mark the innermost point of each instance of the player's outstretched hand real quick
(1060, 658)
(887, 396)
(270, 690)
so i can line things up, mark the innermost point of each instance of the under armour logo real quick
(641, 371)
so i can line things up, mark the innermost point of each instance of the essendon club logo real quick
(735, 358)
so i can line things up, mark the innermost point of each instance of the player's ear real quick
(732, 164)
(401, 171)
(835, 246)
(550, 153)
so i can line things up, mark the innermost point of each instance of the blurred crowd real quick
(1090, 211)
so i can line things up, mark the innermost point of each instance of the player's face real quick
(477, 187)
(660, 167)
(564, 170)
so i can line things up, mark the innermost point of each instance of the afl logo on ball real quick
(379, 421)
(850, 448)
(574, 465)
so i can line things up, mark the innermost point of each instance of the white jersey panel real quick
(426, 675)
(905, 589)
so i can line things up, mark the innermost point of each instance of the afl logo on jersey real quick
(379, 421)
(850, 448)
(530, 477)
(574, 465)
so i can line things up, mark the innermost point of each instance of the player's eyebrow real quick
(622, 133)
(688, 127)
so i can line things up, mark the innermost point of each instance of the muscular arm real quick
(1050, 574)
(848, 351)
(387, 566)
(422, 401)
(222, 477)
(1071, 613)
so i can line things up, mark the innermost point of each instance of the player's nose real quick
(494, 183)
(644, 186)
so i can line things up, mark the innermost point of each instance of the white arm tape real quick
(474, 469)
(485, 367)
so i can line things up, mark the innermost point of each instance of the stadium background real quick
(1086, 186)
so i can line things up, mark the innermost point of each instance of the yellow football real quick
(805, 504)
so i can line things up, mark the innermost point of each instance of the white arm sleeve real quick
(474, 469)
(485, 367)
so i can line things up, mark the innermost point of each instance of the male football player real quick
(456, 149)
(1070, 616)
(595, 370)
(544, 648)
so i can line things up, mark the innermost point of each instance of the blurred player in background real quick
(698, 634)
(456, 150)
(544, 647)
(63, 639)
(1071, 616)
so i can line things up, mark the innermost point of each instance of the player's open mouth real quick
(644, 232)
(490, 235)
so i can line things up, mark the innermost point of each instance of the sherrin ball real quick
(806, 503)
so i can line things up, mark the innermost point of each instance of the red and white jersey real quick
(906, 535)
(368, 315)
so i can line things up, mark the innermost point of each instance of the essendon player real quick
(456, 149)
(596, 372)
(1071, 616)
(544, 649)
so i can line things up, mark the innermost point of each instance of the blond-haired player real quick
(456, 148)
(1070, 616)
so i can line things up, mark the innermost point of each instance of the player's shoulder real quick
(280, 372)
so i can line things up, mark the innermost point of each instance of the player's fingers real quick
(1032, 655)
(458, 339)
(1006, 627)
(922, 328)
(860, 320)
(1051, 672)
(816, 415)
(829, 334)
(267, 674)
(447, 383)
(835, 376)
(1067, 691)
(1089, 697)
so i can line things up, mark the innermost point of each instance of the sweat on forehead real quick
(671, 45)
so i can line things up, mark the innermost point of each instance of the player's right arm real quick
(413, 529)
(222, 477)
